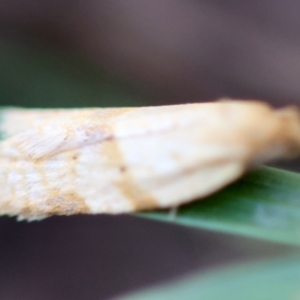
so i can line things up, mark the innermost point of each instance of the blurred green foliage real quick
(39, 77)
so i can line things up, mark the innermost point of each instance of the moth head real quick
(289, 119)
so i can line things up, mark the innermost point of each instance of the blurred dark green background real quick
(33, 75)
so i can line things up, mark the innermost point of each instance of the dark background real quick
(116, 53)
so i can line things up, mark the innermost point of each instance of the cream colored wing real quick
(123, 160)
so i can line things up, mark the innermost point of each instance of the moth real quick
(120, 160)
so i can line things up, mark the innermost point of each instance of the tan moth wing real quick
(128, 159)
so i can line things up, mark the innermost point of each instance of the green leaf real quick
(271, 280)
(263, 204)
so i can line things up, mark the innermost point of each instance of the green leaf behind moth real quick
(264, 204)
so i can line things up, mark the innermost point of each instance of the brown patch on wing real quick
(59, 204)
(138, 197)
(57, 201)
(66, 204)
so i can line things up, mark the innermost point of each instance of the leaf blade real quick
(264, 204)
(269, 280)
